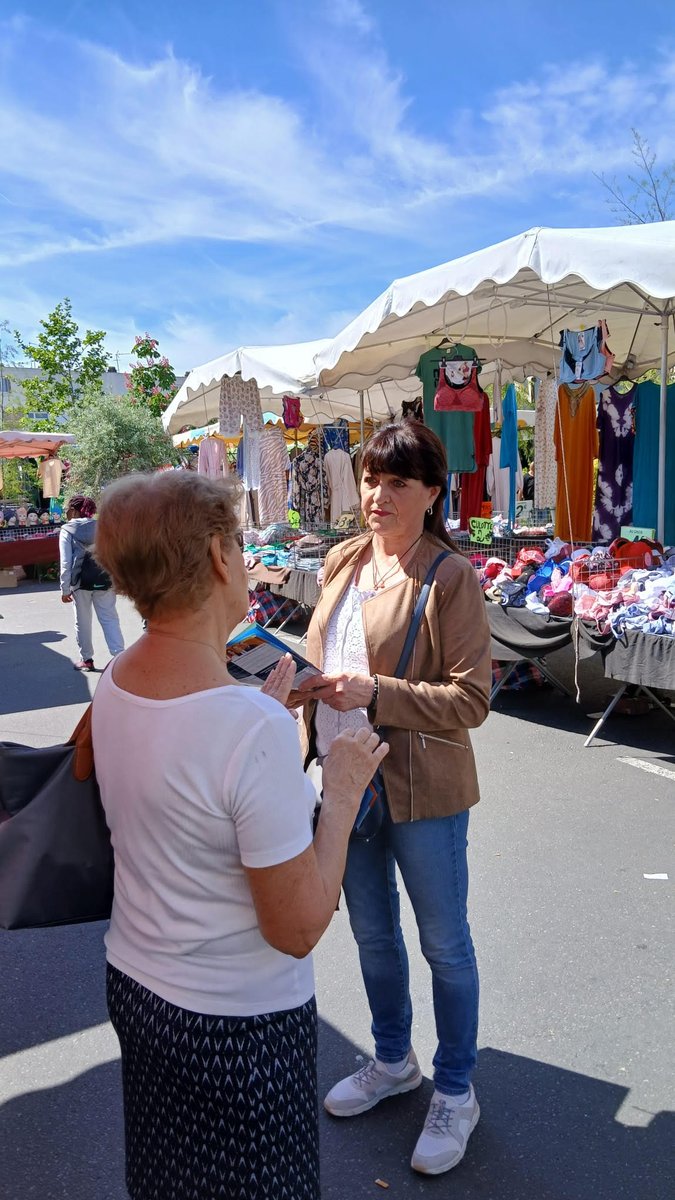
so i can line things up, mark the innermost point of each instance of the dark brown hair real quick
(84, 505)
(412, 451)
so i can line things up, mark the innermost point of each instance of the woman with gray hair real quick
(221, 888)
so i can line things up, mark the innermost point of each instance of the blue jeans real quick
(431, 856)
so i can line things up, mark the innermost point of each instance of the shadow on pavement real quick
(61, 965)
(653, 731)
(40, 678)
(544, 1134)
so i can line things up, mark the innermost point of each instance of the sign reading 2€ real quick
(480, 529)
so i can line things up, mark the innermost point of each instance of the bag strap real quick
(417, 615)
(81, 739)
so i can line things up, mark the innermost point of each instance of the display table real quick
(643, 659)
(29, 551)
(300, 586)
(519, 635)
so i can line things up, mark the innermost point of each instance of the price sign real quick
(634, 532)
(480, 529)
(486, 508)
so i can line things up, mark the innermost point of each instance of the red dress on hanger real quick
(473, 484)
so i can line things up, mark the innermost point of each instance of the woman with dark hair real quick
(371, 585)
(76, 540)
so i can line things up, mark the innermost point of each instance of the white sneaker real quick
(372, 1083)
(443, 1141)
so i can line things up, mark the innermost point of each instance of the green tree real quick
(649, 194)
(151, 380)
(69, 366)
(114, 437)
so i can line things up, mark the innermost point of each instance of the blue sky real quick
(224, 173)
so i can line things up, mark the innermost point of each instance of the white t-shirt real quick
(193, 788)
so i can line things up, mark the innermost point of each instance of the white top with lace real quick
(344, 650)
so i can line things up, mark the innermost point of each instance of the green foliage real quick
(19, 480)
(114, 437)
(152, 379)
(70, 366)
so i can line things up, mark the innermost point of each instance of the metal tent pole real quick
(663, 417)
(362, 419)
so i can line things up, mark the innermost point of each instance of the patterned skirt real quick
(216, 1108)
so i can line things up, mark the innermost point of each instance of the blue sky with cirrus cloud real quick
(225, 173)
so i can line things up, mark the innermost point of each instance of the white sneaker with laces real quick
(372, 1083)
(443, 1141)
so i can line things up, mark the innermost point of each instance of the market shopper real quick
(221, 890)
(370, 587)
(89, 596)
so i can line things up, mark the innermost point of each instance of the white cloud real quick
(158, 153)
(350, 14)
(142, 175)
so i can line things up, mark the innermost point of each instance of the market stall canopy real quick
(14, 443)
(278, 371)
(511, 300)
(198, 399)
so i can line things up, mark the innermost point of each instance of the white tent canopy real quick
(278, 371)
(514, 298)
(272, 367)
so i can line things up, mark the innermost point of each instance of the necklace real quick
(178, 638)
(380, 580)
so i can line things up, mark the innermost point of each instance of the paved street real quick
(575, 1074)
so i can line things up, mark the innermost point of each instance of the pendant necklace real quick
(194, 641)
(380, 580)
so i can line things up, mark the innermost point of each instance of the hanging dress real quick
(508, 453)
(545, 465)
(614, 489)
(576, 444)
(473, 483)
(273, 488)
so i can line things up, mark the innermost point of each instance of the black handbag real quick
(56, 860)
(371, 811)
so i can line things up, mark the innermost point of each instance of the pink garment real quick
(212, 460)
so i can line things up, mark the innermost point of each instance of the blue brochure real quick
(255, 652)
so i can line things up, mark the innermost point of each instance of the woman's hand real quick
(341, 692)
(279, 682)
(350, 765)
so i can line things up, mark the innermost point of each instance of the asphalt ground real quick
(575, 946)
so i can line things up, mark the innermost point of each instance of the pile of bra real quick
(642, 600)
(602, 585)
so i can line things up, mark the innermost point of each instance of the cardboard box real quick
(8, 578)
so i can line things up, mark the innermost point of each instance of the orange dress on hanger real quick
(576, 447)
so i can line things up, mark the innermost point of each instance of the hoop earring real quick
(430, 511)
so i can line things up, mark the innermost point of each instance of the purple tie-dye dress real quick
(614, 491)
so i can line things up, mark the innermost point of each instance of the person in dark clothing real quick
(528, 483)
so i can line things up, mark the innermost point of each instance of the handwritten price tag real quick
(480, 529)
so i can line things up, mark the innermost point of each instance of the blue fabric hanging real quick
(509, 451)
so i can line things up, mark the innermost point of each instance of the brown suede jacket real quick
(430, 770)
